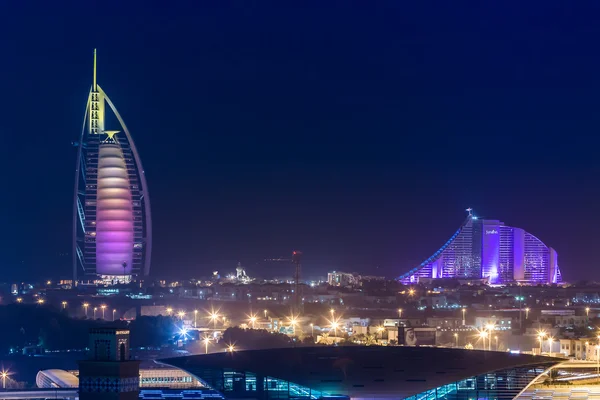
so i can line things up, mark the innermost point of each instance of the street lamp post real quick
(181, 314)
(85, 307)
(597, 361)
(483, 335)
(265, 311)
(95, 309)
(114, 311)
(399, 313)
(490, 328)
(195, 318)
(206, 340)
(496, 342)
(587, 316)
(4, 375)
(312, 330)
(334, 325)
(214, 317)
(527, 313)
(64, 304)
(464, 310)
(103, 307)
(541, 336)
(456, 338)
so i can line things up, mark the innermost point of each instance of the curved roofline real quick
(142, 175)
(438, 253)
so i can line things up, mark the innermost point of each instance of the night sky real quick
(357, 132)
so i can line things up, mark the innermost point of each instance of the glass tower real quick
(112, 229)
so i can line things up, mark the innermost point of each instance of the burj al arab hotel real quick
(112, 225)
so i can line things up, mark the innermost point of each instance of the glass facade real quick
(243, 384)
(499, 385)
(487, 249)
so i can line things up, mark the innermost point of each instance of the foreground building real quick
(112, 228)
(488, 249)
(359, 372)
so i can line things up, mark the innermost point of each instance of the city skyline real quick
(357, 143)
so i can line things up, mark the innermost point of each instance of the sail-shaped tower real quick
(112, 225)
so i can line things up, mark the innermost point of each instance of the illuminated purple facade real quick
(488, 249)
(112, 226)
(114, 213)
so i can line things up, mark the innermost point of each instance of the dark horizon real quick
(357, 133)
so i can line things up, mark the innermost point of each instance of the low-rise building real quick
(575, 348)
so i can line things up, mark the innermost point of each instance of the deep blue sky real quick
(357, 132)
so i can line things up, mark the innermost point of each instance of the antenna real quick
(95, 87)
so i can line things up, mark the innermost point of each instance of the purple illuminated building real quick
(488, 249)
(112, 227)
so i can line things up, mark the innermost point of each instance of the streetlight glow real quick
(252, 318)
(214, 317)
(206, 340)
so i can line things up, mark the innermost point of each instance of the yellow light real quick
(231, 348)
(456, 335)
(181, 314)
(380, 329)
(19, 299)
(103, 306)
(541, 334)
(169, 310)
(40, 301)
(411, 291)
(490, 327)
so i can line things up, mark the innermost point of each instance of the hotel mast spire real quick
(94, 88)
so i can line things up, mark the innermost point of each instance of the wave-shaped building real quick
(112, 228)
(488, 249)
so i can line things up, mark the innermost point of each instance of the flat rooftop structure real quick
(391, 372)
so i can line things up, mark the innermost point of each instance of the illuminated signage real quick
(491, 232)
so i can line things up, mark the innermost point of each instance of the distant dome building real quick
(488, 249)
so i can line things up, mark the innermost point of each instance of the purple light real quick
(114, 220)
